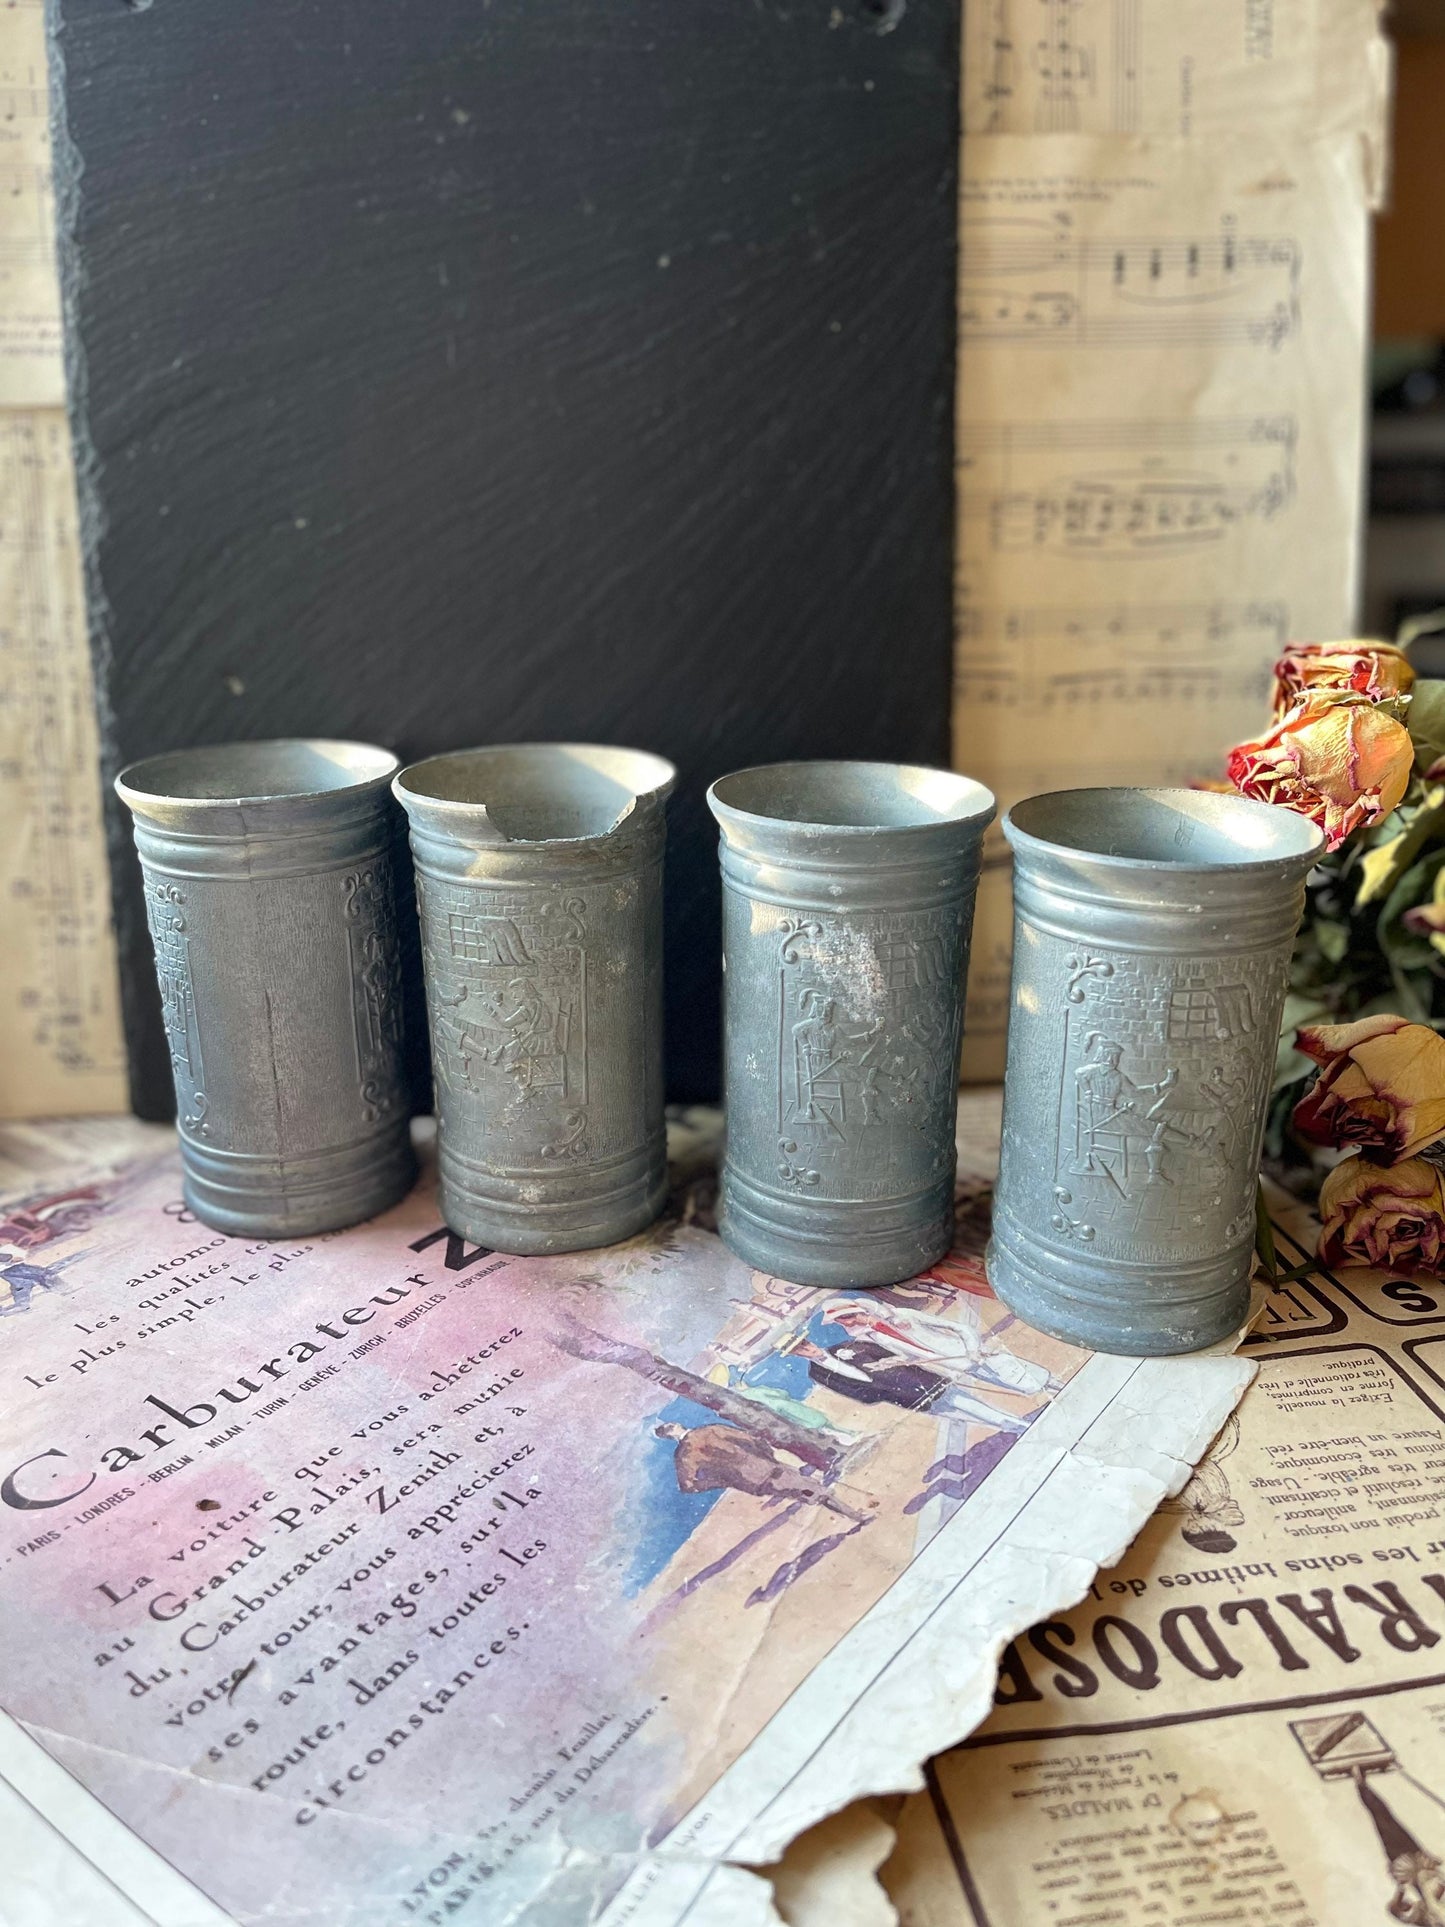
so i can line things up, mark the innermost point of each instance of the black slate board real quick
(450, 372)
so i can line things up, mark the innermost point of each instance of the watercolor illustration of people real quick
(438, 1535)
(809, 1430)
(33, 1231)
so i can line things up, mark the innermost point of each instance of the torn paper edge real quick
(916, 1674)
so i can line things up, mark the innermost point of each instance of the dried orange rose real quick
(1391, 1216)
(1340, 761)
(1381, 1086)
(1375, 670)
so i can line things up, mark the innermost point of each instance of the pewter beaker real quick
(539, 882)
(270, 894)
(848, 893)
(1152, 936)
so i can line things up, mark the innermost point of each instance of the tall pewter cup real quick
(848, 893)
(270, 893)
(1152, 936)
(539, 881)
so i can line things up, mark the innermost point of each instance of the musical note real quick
(1175, 67)
(57, 977)
(1119, 488)
(1039, 282)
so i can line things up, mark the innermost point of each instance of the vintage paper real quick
(379, 1578)
(32, 369)
(1201, 70)
(1162, 327)
(1244, 1720)
(1158, 459)
(60, 1043)
(60, 1036)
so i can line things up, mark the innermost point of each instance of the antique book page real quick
(1162, 311)
(378, 1577)
(1243, 1719)
(60, 1039)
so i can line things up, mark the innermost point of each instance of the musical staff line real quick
(1127, 653)
(1122, 489)
(1038, 282)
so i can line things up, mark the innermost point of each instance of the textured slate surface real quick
(450, 372)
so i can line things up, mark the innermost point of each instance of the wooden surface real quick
(1410, 235)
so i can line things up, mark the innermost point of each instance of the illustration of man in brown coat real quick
(710, 1458)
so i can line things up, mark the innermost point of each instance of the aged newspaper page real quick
(60, 1040)
(381, 1578)
(1244, 1720)
(1162, 326)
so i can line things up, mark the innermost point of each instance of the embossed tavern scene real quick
(865, 1050)
(1162, 1078)
(511, 997)
(539, 888)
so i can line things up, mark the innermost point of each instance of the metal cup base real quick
(1124, 1309)
(834, 1244)
(540, 1214)
(262, 1197)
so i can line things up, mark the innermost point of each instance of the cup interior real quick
(1186, 829)
(258, 772)
(541, 793)
(854, 796)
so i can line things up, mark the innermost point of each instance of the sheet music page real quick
(60, 1037)
(1191, 69)
(60, 1043)
(32, 371)
(1160, 445)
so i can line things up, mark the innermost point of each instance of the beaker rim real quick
(1174, 829)
(851, 798)
(276, 769)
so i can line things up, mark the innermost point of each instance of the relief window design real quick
(1200, 1015)
(518, 1011)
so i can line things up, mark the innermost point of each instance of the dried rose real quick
(1340, 761)
(1428, 919)
(1381, 1086)
(1390, 1216)
(1374, 670)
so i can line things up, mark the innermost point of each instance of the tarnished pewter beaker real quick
(539, 882)
(848, 894)
(1152, 936)
(270, 892)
